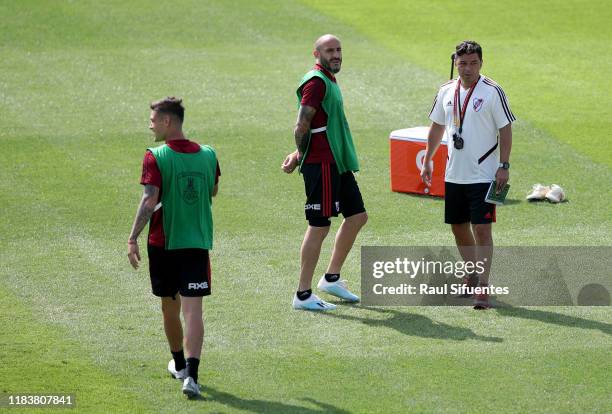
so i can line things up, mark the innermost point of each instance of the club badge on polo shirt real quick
(477, 104)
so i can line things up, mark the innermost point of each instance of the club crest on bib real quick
(477, 104)
(190, 184)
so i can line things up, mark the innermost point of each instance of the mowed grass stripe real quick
(40, 358)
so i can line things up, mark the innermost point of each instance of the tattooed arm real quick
(145, 211)
(301, 134)
(302, 127)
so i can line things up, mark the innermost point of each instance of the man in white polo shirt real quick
(474, 112)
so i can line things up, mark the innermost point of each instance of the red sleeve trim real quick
(150, 172)
(313, 92)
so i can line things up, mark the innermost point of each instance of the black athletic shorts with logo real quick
(329, 193)
(184, 271)
(465, 203)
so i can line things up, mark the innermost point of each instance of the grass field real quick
(75, 82)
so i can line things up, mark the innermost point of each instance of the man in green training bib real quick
(326, 158)
(180, 178)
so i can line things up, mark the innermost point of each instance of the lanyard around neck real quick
(459, 111)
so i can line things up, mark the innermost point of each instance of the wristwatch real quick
(504, 165)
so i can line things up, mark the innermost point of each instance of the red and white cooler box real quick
(407, 152)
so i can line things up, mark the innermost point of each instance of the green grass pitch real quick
(75, 81)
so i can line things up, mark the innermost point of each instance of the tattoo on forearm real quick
(301, 140)
(302, 127)
(142, 218)
(145, 211)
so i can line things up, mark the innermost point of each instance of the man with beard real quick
(326, 158)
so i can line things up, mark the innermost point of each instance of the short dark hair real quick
(467, 47)
(171, 106)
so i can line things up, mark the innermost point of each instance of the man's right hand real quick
(434, 137)
(133, 253)
(291, 162)
(426, 172)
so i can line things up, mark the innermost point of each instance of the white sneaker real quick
(180, 375)
(313, 303)
(338, 289)
(191, 388)
(556, 194)
(538, 192)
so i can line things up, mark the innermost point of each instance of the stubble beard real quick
(327, 65)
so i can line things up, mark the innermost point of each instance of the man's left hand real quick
(501, 177)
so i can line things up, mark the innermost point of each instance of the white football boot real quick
(556, 194)
(313, 303)
(338, 289)
(191, 388)
(179, 375)
(538, 192)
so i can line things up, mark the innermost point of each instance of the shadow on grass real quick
(422, 196)
(554, 318)
(507, 202)
(415, 325)
(263, 406)
(512, 201)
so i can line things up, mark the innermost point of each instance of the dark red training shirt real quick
(152, 176)
(313, 93)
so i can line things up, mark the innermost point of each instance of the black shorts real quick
(465, 203)
(329, 193)
(184, 271)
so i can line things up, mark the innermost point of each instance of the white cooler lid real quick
(415, 134)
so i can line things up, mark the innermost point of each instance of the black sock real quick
(192, 368)
(332, 277)
(304, 294)
(179, 360)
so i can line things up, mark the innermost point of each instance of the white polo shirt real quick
(487, 111)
